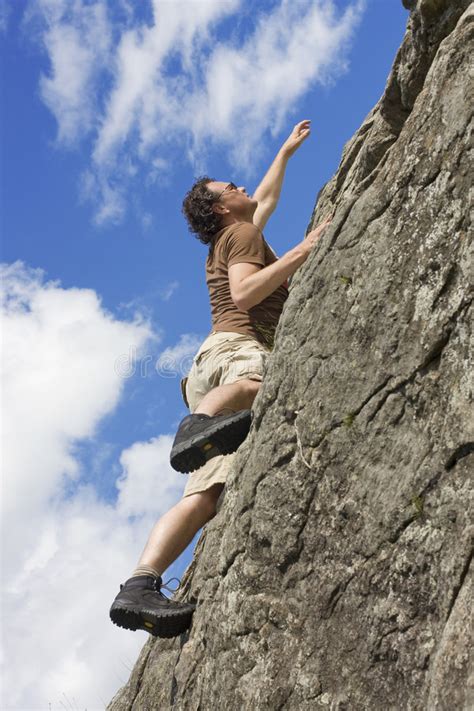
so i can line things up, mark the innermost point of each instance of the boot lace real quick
(165, 586)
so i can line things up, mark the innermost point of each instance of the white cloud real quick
(57, 636)
(296, 45)
(176, 360)
(149, 482)
(180, 85)
(143, 93)
(77, 38)
(65, 555)
(107, 197)
(60, 380)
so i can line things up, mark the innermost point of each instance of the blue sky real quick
(109, 110)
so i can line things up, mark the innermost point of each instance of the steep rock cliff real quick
(336, 573)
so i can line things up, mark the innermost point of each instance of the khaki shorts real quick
(223, 358)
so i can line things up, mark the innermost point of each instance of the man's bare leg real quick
(176, 529)
(236, 396)
(140, 604)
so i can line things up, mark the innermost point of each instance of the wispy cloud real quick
(168, 291)
(5, 11)
(145, 303)
(181, 82)
(78, 39)
(64, 554)
(177, 359)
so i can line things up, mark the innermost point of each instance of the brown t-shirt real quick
(242, 242)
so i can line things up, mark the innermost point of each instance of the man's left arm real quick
(268, 192)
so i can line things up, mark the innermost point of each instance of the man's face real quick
(235, 199)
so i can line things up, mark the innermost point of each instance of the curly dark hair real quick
(197, 209)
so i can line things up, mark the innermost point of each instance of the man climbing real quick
(247, 287)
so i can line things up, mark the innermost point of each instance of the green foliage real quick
(346, 280)
(418, 504)
(349, 419)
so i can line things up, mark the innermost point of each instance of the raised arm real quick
(268, 192)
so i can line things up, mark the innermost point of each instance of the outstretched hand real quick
(299, 134)
(318, 231)
(313, 237)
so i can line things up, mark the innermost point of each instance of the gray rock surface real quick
(336, 574)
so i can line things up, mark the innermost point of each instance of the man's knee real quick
(249, 386)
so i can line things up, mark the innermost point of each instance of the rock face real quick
(336, 573)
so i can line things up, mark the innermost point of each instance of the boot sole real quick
(166, 625)
(222, 439)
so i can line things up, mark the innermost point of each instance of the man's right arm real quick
(251, 284)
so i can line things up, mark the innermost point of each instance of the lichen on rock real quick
(336, 574)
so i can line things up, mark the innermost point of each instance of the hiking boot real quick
(140, 605)
(201, 437)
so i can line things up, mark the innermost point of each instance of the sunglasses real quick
(229, 186)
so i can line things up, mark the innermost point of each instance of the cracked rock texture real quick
(336, 574)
